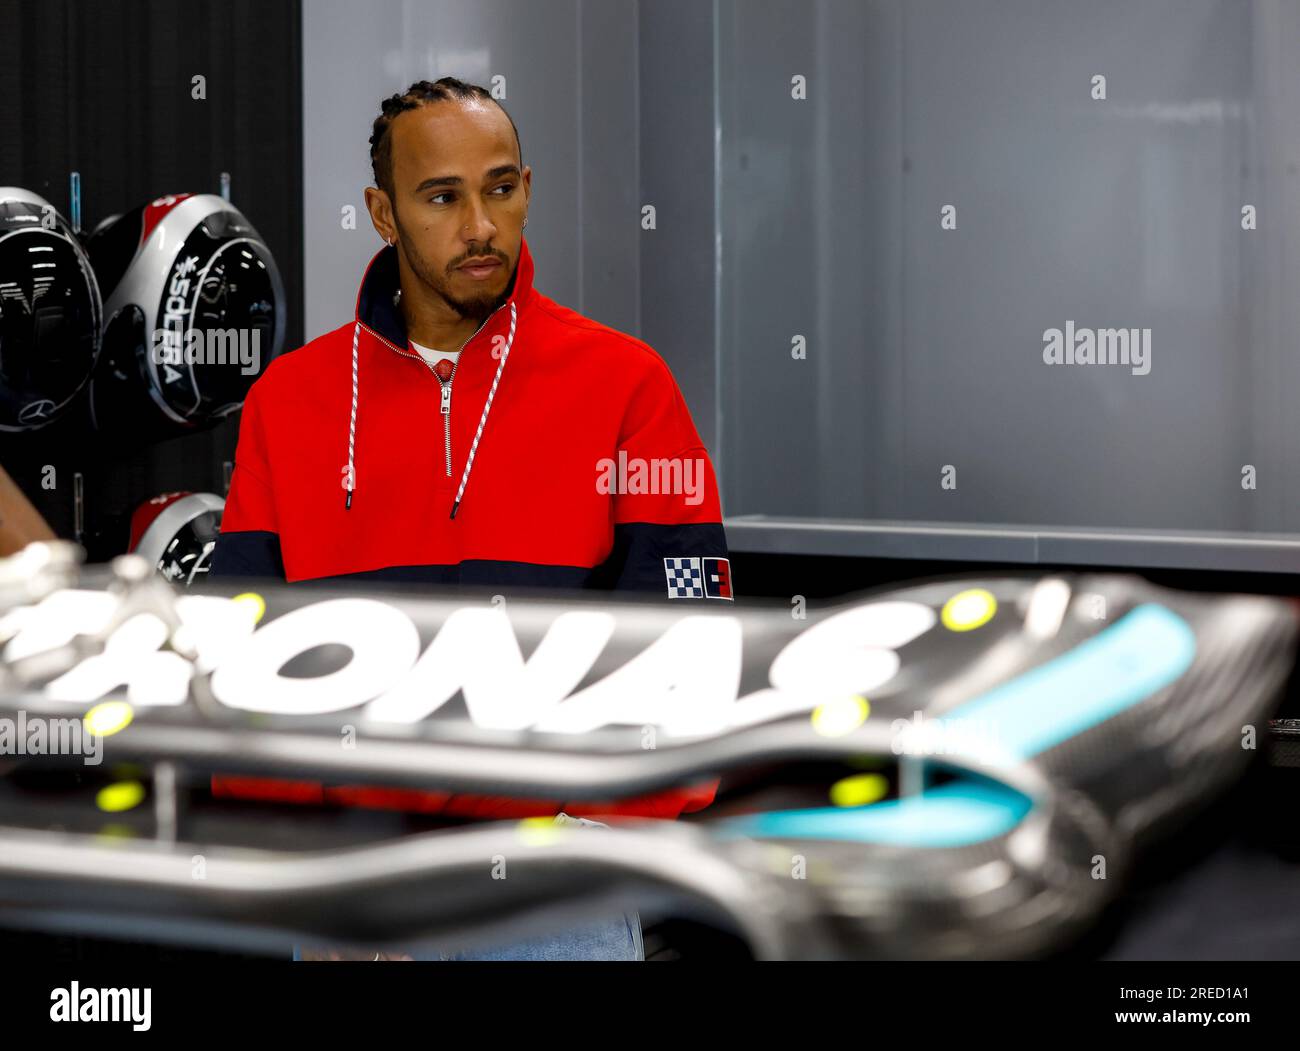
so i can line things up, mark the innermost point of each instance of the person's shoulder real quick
(295, 368)
(578, 333)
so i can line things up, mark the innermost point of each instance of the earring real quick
(525, 220)
(390, 242)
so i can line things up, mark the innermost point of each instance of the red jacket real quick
(566, 458)
(573, 400)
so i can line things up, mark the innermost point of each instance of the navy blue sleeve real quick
(250, 553)
(677, 561)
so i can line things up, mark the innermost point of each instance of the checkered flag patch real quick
(685, 579)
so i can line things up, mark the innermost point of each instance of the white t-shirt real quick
(434, 356)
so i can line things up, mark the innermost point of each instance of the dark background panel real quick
(105, 89)
(826, 579)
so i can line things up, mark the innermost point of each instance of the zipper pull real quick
(446, 399)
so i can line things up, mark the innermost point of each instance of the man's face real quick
(459, 199)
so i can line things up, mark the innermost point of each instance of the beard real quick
(475, 308)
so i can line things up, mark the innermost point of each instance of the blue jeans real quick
(618, 938)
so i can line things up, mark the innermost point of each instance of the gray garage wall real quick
(820, 218)
(925, 344)
(614, 105)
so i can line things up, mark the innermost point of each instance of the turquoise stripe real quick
(1140, 655)
(952, 815)
(1098, 679)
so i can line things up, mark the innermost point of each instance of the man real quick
(464, 429)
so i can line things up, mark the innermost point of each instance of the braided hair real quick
(419, 94)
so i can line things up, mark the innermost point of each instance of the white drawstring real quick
(487, 407)
(352, 425)
(478, 434)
